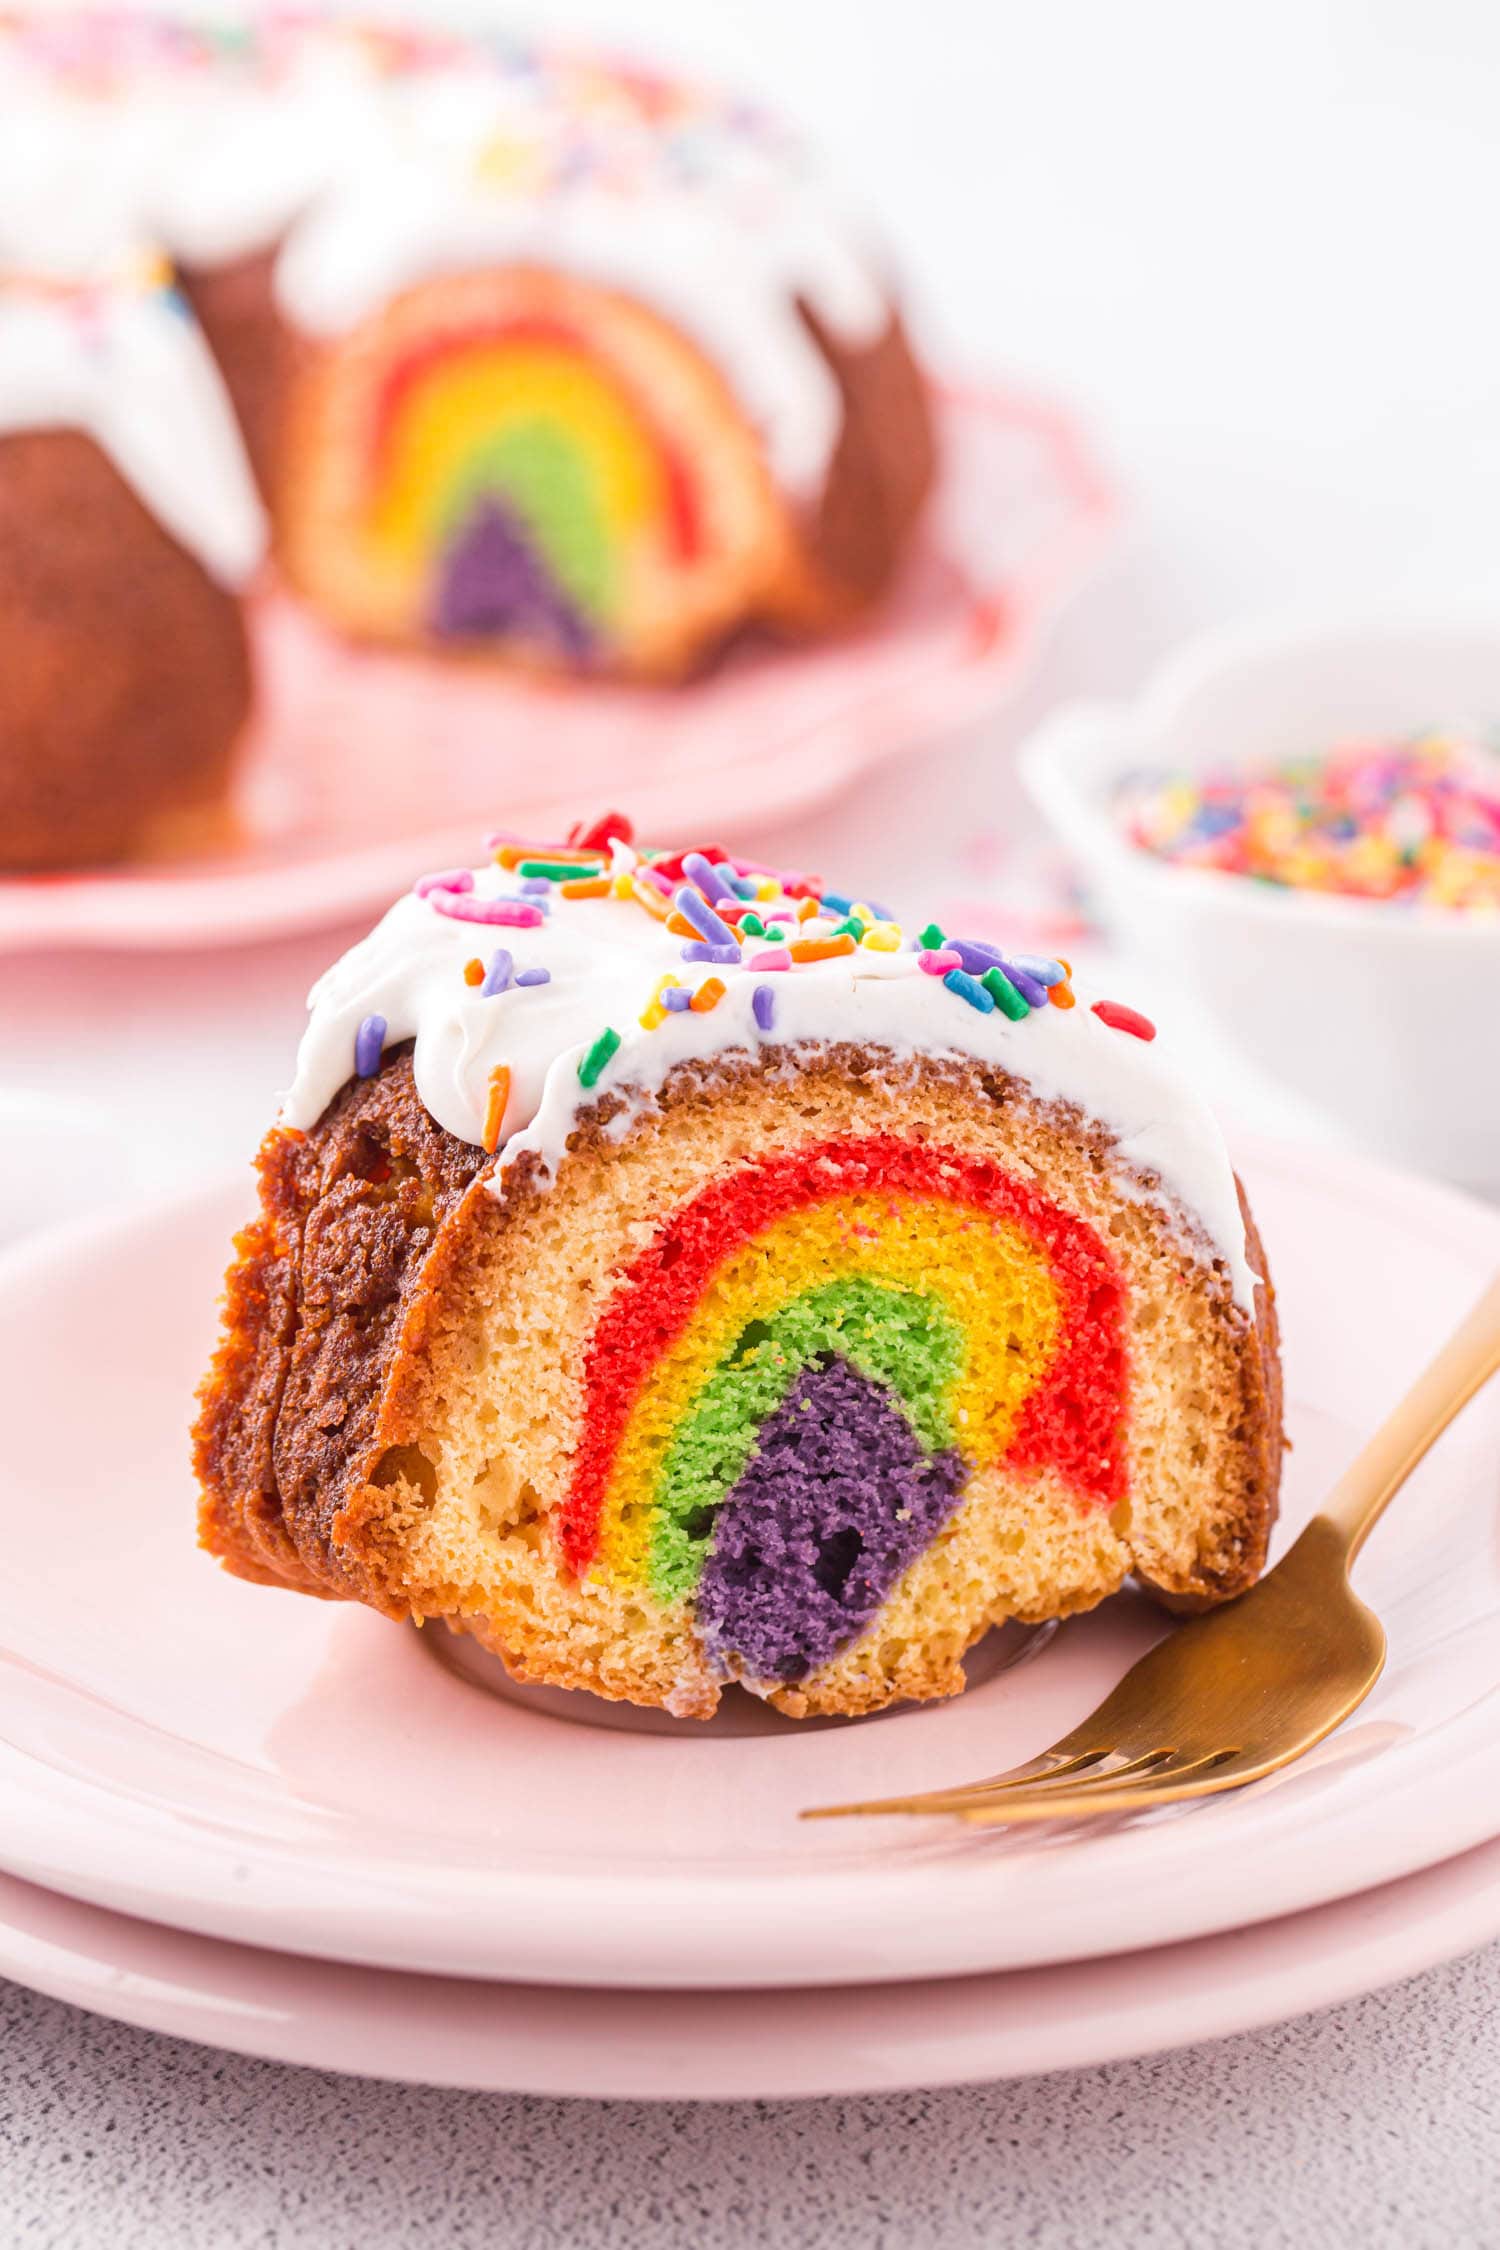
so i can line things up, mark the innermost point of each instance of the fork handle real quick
(1468, 1360)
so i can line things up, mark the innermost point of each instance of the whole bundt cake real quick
(534, 355)
(674, 1273)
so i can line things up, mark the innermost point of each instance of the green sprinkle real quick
(849, 927)
(775, 936)
(754, 924)
(1005, 995)
(557, 870)
(931, 938)
(592, 1065)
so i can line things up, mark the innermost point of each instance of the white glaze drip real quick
(605, 957)
(123, 362)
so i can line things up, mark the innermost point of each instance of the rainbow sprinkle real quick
(494, 1112)
(721, 906)
(369, 1045)
(595, 1061)
(505, 913)
(1124, 1019)
(1413, 822)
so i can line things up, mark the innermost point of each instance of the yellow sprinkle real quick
(861, 912)
(766, 888)
(654, 1012)
(882, 937)
(624, 886)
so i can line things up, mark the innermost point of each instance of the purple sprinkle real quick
(1041, 966)
(725, 956)
(511, 913)
(535, 886)
(677, 997)
(452, 879)
(1031, 991)
(534, 976)
(707, 877)
(501, 965)
(764, 1004)
(703, 918)
(974, 957)
(369, 1045)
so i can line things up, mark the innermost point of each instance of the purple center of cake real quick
(837, 1500)
(493, 582)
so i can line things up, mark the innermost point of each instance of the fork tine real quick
(1032, 1770)
(1082, 1776)
(1160, 1785)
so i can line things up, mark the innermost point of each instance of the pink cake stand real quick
(366, 766)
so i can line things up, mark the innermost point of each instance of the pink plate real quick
(368, 766)
(741, 2046)
(306, 1777)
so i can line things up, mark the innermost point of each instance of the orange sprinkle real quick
(821, 948)
(680, 926)
(1065, 966)
(474, 971)
(511, 855)
(647, 895)
(708, 995)
(590, 886)
(494, 1108)
(1062, 996)
(807, 908)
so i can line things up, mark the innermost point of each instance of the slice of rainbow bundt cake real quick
(672, 1273)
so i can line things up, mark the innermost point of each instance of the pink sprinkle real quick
(777, 958)
(453, 879)
(781, 875)
(649, 875)
(499, 836)
(940, 961)
(509, 913)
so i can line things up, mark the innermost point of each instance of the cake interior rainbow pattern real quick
(780, 1416)
(509, 476)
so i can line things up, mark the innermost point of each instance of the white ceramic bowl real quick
(1388, 1019)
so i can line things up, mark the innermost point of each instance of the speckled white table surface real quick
(1371, 2125)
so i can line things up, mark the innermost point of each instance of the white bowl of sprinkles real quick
(1383, 1011)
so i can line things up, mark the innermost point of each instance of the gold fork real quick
(1231, 1696)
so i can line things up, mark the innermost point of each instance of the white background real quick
(1255, 247)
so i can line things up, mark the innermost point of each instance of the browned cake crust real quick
(848, 545)
(369, 1226)
(882, 469)
(124, 670)
(256, 350)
